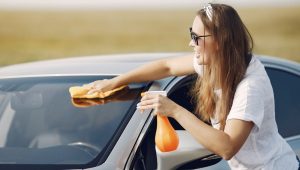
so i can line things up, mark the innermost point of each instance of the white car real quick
(41, 127)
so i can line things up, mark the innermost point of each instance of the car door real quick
(146, 155)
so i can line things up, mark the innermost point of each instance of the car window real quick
(287, 106)
(41, 124)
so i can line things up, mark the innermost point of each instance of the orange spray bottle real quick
(166, 138)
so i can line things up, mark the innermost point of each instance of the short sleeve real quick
(198, 68)
(248, 103)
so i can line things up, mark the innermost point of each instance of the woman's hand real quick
(161, 104)
(100, 86)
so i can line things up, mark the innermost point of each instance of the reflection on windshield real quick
(122, 95)
(39, 120)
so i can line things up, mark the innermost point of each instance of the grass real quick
(37, 35)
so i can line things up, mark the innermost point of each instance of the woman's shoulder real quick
(255, 73)
(255, 68)
(255, 80)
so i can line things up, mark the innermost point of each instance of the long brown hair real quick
(226, 67)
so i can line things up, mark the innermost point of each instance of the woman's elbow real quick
(165, 67)
(228, 154)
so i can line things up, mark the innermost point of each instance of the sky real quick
(133, 4)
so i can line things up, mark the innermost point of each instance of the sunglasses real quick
(196, 37)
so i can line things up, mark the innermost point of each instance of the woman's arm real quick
(223, 143)
(155, 70)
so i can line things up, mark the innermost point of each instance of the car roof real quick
(107, 65)
(279, 63)
(103, 64)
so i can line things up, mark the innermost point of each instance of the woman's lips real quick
(197, 55)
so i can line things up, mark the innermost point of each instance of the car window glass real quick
(41, 124)
(286, 92)
(1, 97)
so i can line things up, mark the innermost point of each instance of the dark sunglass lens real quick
(195, 38)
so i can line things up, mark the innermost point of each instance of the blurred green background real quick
(38, 35)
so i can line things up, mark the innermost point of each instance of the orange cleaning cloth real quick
(83, 103)
(81, 92)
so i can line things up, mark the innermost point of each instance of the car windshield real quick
(41, 124)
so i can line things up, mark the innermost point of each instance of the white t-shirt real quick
(254, 101)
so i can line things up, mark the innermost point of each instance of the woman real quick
(233, 92)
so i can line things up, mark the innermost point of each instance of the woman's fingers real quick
(88, 86)
(152, 106)
(93, 87)
(161, 104)
(148, 102)
(148, 96)
(153, 101)
(91, 91)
